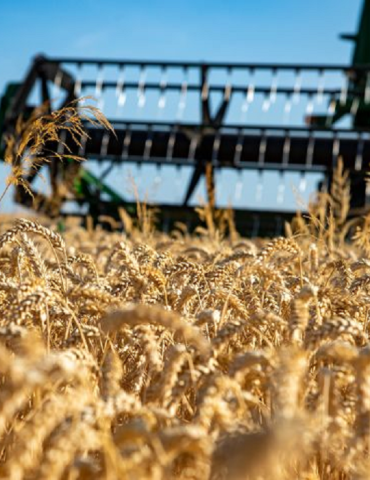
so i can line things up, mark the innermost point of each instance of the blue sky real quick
(233, 30)
(293, 31)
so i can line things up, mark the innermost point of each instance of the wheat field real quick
(133, 354)
(141, 355)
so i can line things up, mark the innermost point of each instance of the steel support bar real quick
(322, 155)
(216, 65)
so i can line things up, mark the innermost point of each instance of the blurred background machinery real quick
(175, 121)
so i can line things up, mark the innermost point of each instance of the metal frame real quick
(238, 146)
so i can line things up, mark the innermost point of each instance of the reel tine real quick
(148, 144)
(259, 187)
(278, 225)
(121, 80)
(238, 149)
(266, 103)
(171, 145)
(355, 105)
(286, 150)
(120, 89)
(281, 188)
(104, 144)
(255, 226)
(303, 182)
(158, 175)
(244, 107)
(216, 148)
(367, 89)
(344, 90)
(331, 110)
(287, 108)
(228, 86)
(284, 164)
(310, 105)
(262, 149)
(248, 96)
(251, 86)
(297, 86)
(138, 181)
(99, 86)
(239, 186)
(320, 87)
(270, 98)
(141, 88)
(310, 152)
(61, 143)
(183, 95)
(193, 148)
(162, 91)
(126, 142)
(82, 148)
(274, 86)
(336, 149)
(360, 152)
(308, 163)
(178, 183)
(205, 88)
(261, 163)
(78, 82)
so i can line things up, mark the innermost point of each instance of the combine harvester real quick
(196, 117)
